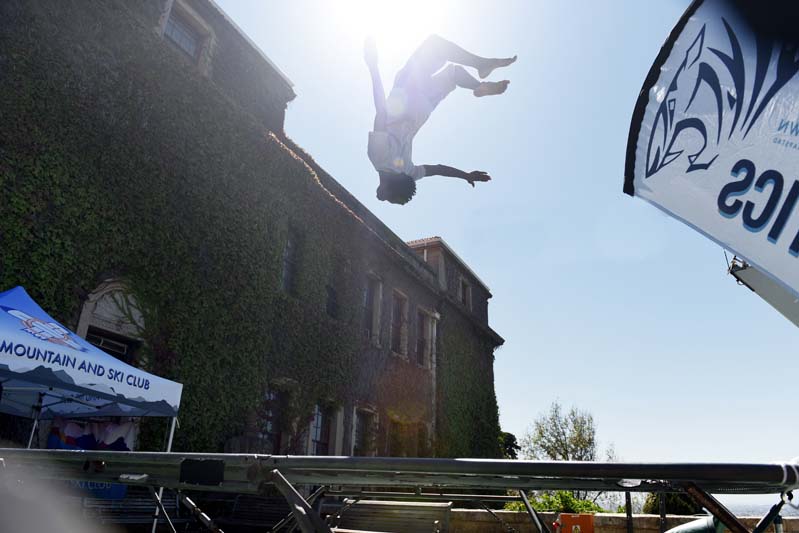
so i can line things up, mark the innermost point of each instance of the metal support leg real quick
(290, 518)
(662, 509)
(308, 519)
(498, 519)
(342, 510)
(172, 425)
(766, 521)
(38, 409)
(157, 498)
(628, 506)
(197, 513)
(716, 508)
(542, 528)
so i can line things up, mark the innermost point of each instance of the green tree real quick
(559, 501)
(557, 436)
(570, 436)
(681, 504)
(509, 445)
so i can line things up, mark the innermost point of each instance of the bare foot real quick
(492, 64)
(487, 88)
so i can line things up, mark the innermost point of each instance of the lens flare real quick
(397, 26)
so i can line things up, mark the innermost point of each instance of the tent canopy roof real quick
(43, 363)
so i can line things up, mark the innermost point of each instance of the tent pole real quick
(168, 449)
(33, 430)
(171, 434)
(38, 409)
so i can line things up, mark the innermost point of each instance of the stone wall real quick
(474, 520)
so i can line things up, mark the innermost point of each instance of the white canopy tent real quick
(46, 371)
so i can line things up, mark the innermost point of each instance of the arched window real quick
(112, 321)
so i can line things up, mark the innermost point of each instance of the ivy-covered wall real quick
(468, 421)
(119, 160)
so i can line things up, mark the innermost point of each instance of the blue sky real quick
(605, 303)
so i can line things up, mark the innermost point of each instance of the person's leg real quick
(436, 51)
(488, 88)
(445, 50)
(453, 76)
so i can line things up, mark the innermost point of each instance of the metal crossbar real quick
(242, 473)
(250, 474)
(421, 496)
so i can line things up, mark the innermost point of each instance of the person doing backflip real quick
(418, 88)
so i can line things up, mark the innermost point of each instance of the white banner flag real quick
(714, 140)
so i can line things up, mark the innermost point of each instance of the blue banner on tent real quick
(43, 363)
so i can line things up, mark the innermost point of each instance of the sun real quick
(398, 26)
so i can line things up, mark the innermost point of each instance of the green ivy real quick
(468, 424)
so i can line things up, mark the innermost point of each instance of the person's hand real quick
(477, 175)
(370, 51)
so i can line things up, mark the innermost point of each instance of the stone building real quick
(153, 203)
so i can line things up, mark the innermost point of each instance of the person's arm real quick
(452, 172)
(378, 93)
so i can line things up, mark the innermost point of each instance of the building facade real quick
(153, 203)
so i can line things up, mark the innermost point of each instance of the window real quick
(287, 281)
(185, 36)
(320, 430)
(466, 293)
(399, 323)
(422, 444)
(423, 333)
(120, 347)
(442, 270)
(270, 434)
(112, 321)
(372, 299)
(396, 439)
(185, 29)
(436, 261)
(332, 302)
(363, 438)
(426, 334)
